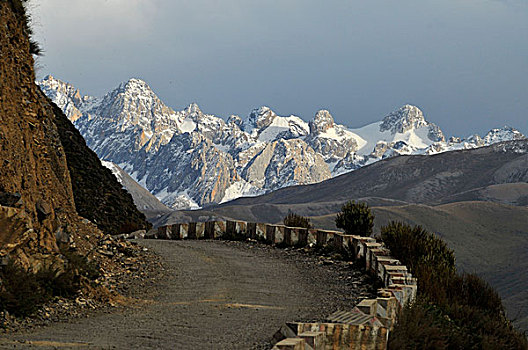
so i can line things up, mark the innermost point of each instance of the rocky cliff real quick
(37, 199)
(98, 196)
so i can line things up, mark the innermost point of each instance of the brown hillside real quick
(37, 200)
(34, 177)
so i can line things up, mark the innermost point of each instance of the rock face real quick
(284, 163)
(404, 119)
(334, 142)
(190, 159)
(37, 199)
(33, 160)
(98, 196)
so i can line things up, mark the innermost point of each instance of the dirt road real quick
(216, 295)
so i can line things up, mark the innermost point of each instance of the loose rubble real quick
(127, 269)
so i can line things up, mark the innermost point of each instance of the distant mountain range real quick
(498, 173)
(189, 159)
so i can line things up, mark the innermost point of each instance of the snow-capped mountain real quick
(189, 159)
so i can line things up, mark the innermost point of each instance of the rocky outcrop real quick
(187, 171)
(37, 199)
(34, 164)
(408, 118)
(329, 139)
(286, 162)
(322, 121)
(260, 118)
(67, 97)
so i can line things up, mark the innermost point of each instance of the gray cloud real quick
(463, 62)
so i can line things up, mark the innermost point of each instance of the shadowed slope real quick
(98, 195)
(488, 238)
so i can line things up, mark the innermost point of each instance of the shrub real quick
(420, 326)
(22, 292)
(295, 220)
(414, 247)
(453, 311)
(472, 290)
(355, 219)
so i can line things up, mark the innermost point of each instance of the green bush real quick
(453, 311)
(420, 326)
(295, 220)
(355, 219)
(414, 247)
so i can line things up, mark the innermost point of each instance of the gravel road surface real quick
(215, 295)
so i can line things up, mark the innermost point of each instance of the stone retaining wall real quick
(366, 325)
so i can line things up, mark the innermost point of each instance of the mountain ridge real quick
(133, 128)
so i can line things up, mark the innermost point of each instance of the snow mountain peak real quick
(235, 119)
(404, 119)
(193, 109)
(135, 82)
(259, 118)
(188, 158)
(409, 118)
(506, 133)
(322, 121)
(134, 88)
(66, 96)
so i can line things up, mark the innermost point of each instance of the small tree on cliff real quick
(355, 218)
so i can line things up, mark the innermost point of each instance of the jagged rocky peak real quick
(408, 118)
(506, 133)
(235, 119)
(135, 85)
(260, 118)
(62, 87)
(435, 134)
(133, 102)
(454, 140)
(322, 121)
(133, 90)
(66, 96)
(404, 119)
(193, 110)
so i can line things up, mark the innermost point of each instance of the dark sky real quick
(463, 62)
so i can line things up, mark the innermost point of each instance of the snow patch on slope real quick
(240, 189)
(114, 169)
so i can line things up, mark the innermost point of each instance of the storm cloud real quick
(465, 63)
